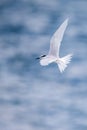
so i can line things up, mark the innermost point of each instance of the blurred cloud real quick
(33, 97)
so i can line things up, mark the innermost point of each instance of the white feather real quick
(56, 39)
(53, 55)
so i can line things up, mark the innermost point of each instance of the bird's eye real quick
(43, 55)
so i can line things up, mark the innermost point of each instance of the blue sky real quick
(33, 97)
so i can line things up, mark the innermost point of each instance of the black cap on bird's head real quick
(41, 57)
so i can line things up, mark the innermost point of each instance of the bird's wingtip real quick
(67, 19)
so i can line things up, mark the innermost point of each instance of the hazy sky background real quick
(33, 97)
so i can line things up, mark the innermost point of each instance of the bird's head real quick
(41, 57)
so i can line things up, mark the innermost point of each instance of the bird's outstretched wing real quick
(56, 39)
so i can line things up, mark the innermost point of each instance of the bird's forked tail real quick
(63, 62)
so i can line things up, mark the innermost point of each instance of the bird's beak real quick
(37, 58)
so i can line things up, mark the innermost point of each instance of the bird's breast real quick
(47, 60)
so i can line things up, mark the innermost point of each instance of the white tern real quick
(53, 55)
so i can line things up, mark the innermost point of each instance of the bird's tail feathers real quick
(63, 62)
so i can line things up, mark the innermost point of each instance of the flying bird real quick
(53, 54)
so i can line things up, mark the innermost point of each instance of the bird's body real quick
(53, 55)
(47, 60)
